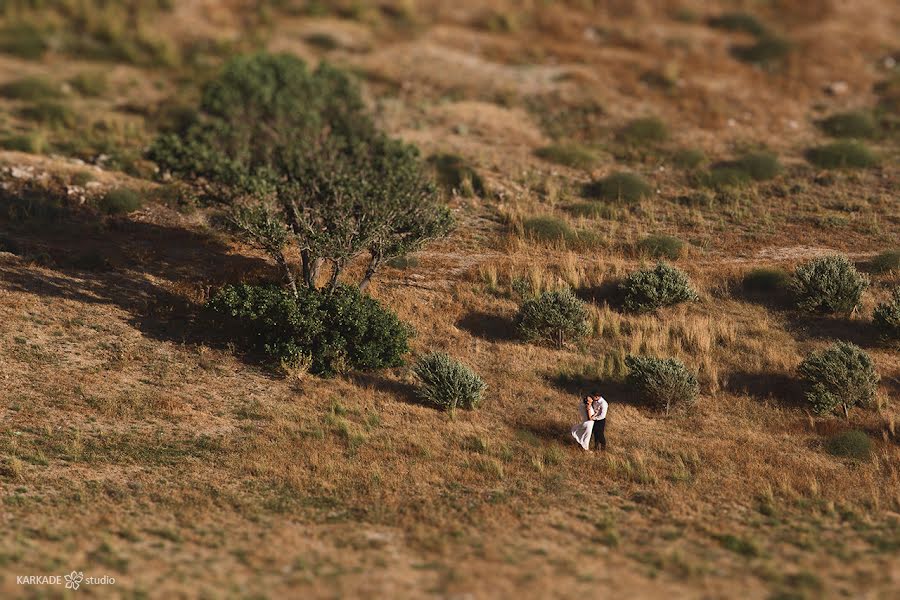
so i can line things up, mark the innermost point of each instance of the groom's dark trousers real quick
(600, 434)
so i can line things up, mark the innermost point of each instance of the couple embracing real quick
(593, 422)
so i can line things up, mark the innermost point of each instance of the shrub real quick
(767, 50)
(644, 131)
(737, 21)
(661, 246)
(652, 288)
(662, 382)
(332, 332)
(623, 188)
(759, 166)
(555, 317)
(22, 40)
(456, 175)
(92, 83)
(548, 229)
(842, 375)
(887, 316)
(850, 444)
(828, 284)
(447, 383)
(853, 124)
(842, 155)
(887, 261)
(721, 177)
(50, 113)
(120, 201)
(31, 89)
(568, 155)
(688, 158)
(766, 280)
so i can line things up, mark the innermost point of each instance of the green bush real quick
(738, 21)
(644, 131)
(842, 155)
(887, 261)
(664, 383)
(766, 51)
(661, 246)
(850, 444)
(759, 166)
(622, 188)
(828, 284)
(31, 89)
(722, 177)
(92, 84)
(331, 332)
(555, 317)
(447, 383)
(120, 201)
(456, 175)
(766, 280)
(840, 376)
(548, 229)
(22, 40)
(688, 158)
(569, 155)
(651, 288)
(853, 124)
(887, 316)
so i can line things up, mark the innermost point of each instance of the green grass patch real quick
(90, 83)
(766, 280)
(455, 175)
(31, 89)
(722, 177)
(120, 201)
(886, 262)
(620, 187)
(738, 545)
(766, 51)
(571, 155)
(22, 40)
(854, 124)
(548, 229)
(850, 444)
(688, 158)
(592, 210)
(842, 155)
(661, 246)
(50, 113)
(32, 143)
(645, 131)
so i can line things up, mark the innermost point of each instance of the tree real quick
(299, 161)
(663, 382)
(842, 375)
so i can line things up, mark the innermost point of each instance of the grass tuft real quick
(855, 124)
(645, 131)
(22, 40)
(31, 89)
(120, 201)
(622, 188)
(886, 262)
(850, 444)
(571, 155)
(842, 155)
(661, 246)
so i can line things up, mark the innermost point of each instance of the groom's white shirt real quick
(600, 407)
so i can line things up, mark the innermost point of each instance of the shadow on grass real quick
(542, 429)
(401, 390)
(608, 293)
(486, 326)
(815, 327)
(779, 387)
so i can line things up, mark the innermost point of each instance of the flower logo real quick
(74, 579)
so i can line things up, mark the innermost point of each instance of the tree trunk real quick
(374, 262)
(337, 267)
(288, 273)
(311, 267)
(846, 408)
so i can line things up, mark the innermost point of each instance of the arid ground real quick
(135, 446)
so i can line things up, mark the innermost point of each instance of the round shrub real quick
(853, 124)
(555, 317)
(842, 155)
(887, 316)
(644, 131)
(332, 332)
(120, 201)
(887, 261)
(840, 376)
(759, 166)
(651, 288)
(568, 155)
(850, 444)
(688, 158)
(766, 280)
(661, 246)
(662, 382)
(447, 383)
(828, 284)
(547, 229)
(623, 188)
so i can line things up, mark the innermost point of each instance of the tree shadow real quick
(579, 386)
(401, 390)
(494, 328)
(545, 429)
(608, 292)
(780, 387)
(816, 327)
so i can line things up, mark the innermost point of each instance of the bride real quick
(582, 431)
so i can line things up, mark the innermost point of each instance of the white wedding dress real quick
(582, 431)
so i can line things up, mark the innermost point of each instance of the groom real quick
(600, 406)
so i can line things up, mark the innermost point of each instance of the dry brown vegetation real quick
(133, 445)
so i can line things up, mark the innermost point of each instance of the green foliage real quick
(50, 113)
(622, 188)
(766, 51)
(840, 376)
(548, 229)
(759, 166)
(456, 175)
(886, 316)
(90, 83)
(31, 89)
(738, 21)
(661, 246)
(850, 444)
(33, 143)
(662, 382)
(571, 155)
(120, 201)
(447, 383)
(722, 177)
(554, 317)
(688, 158)
(22, 40)
(644, 132)
(854, 124)
(887, 261)
(651, 288)
(842, 155)
(331, 332)
(592, 210)
(766, 280)
(828, 284)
